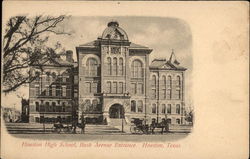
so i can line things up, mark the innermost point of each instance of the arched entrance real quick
(116, 111)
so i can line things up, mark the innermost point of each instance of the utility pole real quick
(158, 94)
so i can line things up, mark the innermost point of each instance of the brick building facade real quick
(113, 79)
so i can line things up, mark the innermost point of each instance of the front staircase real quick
(120, 124)
(101, 129)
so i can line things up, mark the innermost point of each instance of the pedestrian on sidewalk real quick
(74, 124)
(83, 123)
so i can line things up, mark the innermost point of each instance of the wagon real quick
(138, 127)
(58, 128)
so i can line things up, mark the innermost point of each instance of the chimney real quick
(69, 56)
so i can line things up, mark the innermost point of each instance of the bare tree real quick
(24, 43)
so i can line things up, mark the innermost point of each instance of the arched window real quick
(178, 81)
(178, 109)
(120, 69)
(92, 67)
(137, 70)
(164, 87)
(178, 87)
(154, 108)
(169, 87)
(154, 83)
(163, 109)
(133, 106)
(169, 109)
(140, 106)
(178, 121)
(109, 65)
(115, 66)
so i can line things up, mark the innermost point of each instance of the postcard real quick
(123, 79)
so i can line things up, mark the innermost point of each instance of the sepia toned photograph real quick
(125, 80)
(76, 83)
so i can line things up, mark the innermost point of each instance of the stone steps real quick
(38, 128)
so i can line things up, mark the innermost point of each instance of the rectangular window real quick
(53, 90)
(58, 91)
(133, 88)
(37, 90)
(53, 106)
(154, 93)
(163, 111)
(140, 106)
(140, 88)
(37, 106)
(75, 79)
(75, 93)
(168, 93)
(120, 87)
(154, 108)
(63, 106)
(109, 87)
(42, 109)
(64, 79)
(46, 106)
(178, 94)
(94, 87)
(115, 87)
(64, 91)
(178, 109)
(47, 91)
(164, 93)
(169, 109)
(68, 92)
(109, 66)
(88, 87)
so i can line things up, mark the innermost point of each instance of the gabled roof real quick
(53, 61)
(165, 64)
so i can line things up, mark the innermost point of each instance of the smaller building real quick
(50, 96)
(11, 114)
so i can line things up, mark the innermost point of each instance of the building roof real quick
(53, 61)
(113, 31)
(163, 63)
(92, 43)
(133, 45)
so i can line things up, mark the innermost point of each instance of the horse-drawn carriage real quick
(59, 127)
(139, 127)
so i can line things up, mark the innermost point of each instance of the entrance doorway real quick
(116, 111)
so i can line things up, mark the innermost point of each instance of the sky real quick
(160, 34)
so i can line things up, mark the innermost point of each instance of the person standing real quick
(153, 125)
(83, 123)
(74, 124)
